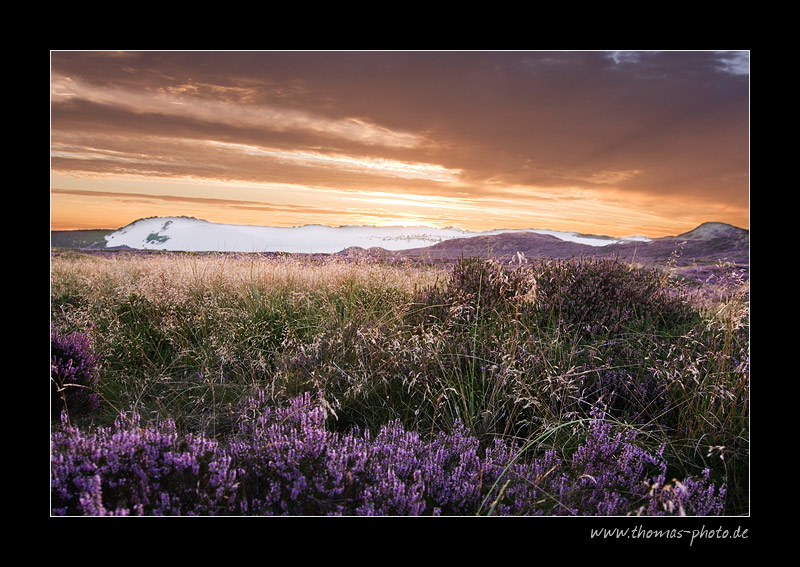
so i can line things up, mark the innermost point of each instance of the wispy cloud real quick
(192, 200)
(374, 165)
(178, 102)
(735, 62)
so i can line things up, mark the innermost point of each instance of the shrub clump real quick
(476, 289)
(286, 462)
(610, 475)
(130, 469)
(601, 297)
(73, 373)
(591, 298)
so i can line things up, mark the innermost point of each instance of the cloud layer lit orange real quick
(650, 143)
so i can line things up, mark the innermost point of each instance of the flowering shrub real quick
(293, 465)
(135, 470)
(610, 475)
(285, 461)
(73, 373)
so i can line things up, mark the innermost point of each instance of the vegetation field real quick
(245, 384)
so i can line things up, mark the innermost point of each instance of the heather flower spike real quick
(73, 373)
(285, 461)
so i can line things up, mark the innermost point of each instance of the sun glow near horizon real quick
(132, 198)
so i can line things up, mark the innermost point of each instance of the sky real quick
(617, 143)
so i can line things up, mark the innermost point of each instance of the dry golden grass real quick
(158, 277)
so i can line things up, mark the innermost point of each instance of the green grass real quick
(519, 354)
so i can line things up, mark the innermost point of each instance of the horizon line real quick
(450, 227)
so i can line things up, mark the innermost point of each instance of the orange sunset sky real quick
(604, 142)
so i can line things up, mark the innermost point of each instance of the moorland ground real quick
(544, 355)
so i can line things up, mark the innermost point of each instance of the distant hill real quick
(78, 238)
(706, 244)
(699, 254)
(709, 242)
(711, 230)
(530, 244)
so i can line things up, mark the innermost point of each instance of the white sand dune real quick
(195, 235)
